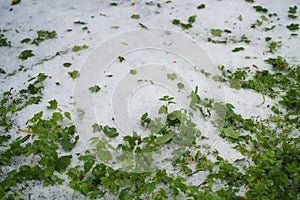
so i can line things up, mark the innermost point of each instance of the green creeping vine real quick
(48, 136)
(12, 101)
(275, 141)
(269, 168)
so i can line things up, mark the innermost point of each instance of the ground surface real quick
(229, 32)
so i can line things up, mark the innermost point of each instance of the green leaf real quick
(167, 99)
(292, 10)
(67, 64)
(62, 163)
(15, 2)
(260, 9)
(121, 59)
(84, 46)
(216, 32)
(228, 132)
(176, 22)
(194, 98)
(220, 109)
(268, 39)
(57, 116)
(85, 188)
(36, 117)
(192, 19)
(145, 120)
(135, 16)
(165, 138)
(133, 72)
(53, 105)
(201, 6)
(144, 116)
(217, 41)
(113, 4)
(89, 161)
(293, 27)
(25, 54)
(42, 36)
(41, 77)
(110, 131)
(240, 18)
(189, 25)
(74, 74)
(4, 41)
(175, 115)
(94, 89)
(67, 115)
(237, 49)
(97, 128)
(104, 155)
(278, 63)
(2, 71)
(78, 48)
(180, 85)
(292, 16)
(235, 83)
(49, 171)
(186, 26)
(80, 22)
(275, 118)
(205, 73)
(218, 78)
(264, 18)
(172, 76)
(143, 26)
(163, 110)
(33, 89)
(66, 145)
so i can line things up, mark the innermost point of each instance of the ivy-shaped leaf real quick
(165, 138)
(24, 55)
(121, 59)
(172, 76)
(97, 128)
(133, 72)
(66, 145)
(104, 155)
(78, 48)
(237, 49)
(53, 105)
(74, 74)
(163, 110)
(67, 115)
(62, 163)
(216, 32)
(180, 85)
(94, 89)
(85, 188)
(228, 132)
(201, 6)
(110, 131)
(4, 41)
